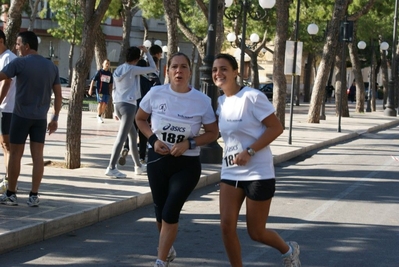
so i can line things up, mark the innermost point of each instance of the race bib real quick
(171, 132)
(105, 78)
(232, 149)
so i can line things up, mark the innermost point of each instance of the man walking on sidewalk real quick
(37, 78)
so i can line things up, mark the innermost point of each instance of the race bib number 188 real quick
(173, 132)
(231, 151)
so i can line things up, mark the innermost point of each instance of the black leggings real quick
(172, 179)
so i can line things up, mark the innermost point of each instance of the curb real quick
(50, 228)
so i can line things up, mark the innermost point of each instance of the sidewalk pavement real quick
(72, 199)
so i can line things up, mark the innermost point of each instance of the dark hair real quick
(179, 54)
(3, 36)
(141, 63)
(229, 58)
(29, 38)
(155, 49)
(132, 53)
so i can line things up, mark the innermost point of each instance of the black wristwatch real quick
(250, 151)
(191, 143)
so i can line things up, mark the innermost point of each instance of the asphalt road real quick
(340, 204)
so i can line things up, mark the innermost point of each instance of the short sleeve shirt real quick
(103, 80)
(177, 116)
(240, 124)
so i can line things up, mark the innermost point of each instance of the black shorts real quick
(5, 123)
(20, 128)
(257, 190)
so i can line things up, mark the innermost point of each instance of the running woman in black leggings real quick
(177, 113)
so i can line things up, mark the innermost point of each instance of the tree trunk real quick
(33, 6)
(70, 62)
(13, 24)
(127, 14)
(307, 78)
(329, 52)
(340, 84)
(279, 80)
(74, 121)
(171, 15)
(357, 71)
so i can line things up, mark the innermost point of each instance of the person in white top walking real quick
(177, 113)
(7, 100)
(248, 125)
(125, 95)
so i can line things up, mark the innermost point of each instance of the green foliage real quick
(152, 9)
(318, 12)
(377, 22)
(194, 17)
(189, 11)
(70, 20)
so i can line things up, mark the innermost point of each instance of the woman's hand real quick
(242, 158)
(161, 148)
(179, 148)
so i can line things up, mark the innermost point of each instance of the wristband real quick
(54, 118)
(152, 139)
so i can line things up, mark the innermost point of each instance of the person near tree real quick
(103, 89)
(36, 79)
(178, 111)
(248, 125)
(125, 95)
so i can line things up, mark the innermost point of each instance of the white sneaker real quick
(114, 173)
(140, 170)
(171, 256)
(293, 259)
(99, 119)
(158, 263)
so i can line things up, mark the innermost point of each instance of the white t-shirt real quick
(7, 105)
(240, 124)
(177, 116)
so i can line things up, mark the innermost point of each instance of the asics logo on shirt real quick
(174, 128)
(162, 107)
(231, 148)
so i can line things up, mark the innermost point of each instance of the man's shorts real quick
(101, 98)
(20, 128)
(5, 123)
(258, 190)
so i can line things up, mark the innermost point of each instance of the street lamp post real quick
(255, 13)
(211, 153)
(390, 107)
(313, 29)
(372, 81)
(51, 51)
(294, 72)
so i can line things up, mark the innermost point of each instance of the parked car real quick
(267, 89)
(64, 82)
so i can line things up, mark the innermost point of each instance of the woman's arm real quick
(273, 130)
(211, 133)
(144, 127)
